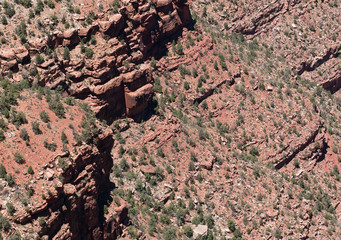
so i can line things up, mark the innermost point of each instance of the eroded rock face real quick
(73, 209)
(312, 64)
(113, 80)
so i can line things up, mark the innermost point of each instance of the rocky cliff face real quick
(56, 187)
(73, 207)
(112, 76)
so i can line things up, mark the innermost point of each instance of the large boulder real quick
(22, 55)
(113, 26)
(70, 37)
(171, 24)
(37, 45)
(138, 100)
(137, 78)
(88, 31)
(163, 6)
(184, 13)
(200, 231)
(7, 54)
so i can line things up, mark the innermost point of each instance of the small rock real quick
(200, 230)
(269, 88)
(69, 189)
(299, 173)
(49, 174)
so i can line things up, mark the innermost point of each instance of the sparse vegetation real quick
(18, 158)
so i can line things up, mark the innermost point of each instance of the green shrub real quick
(10, 208)
(30, 170)
(50, 146)
(153, 63)
(44, 116)
(5, 225)
(132, 232)
(93, 40)
(64, 138)
(39, 7)
(186, 85)
(124, 165)
(254, 151)
(2, 136)
(179, 49)
(35, 127)
(188, 231)
(231, 225)
(39, 59)
(18, 118)
(10, 180)
(20, 30)
(296, 163)
(54, 20)
(9, 9)
(3, 172)
(24, 135)
(50, 4)
(70, 101)
(31, 14)
(191, 166)
(160, 152)
(195, 72)
(204, 105)
(89, 52)
(63, 164)
(87, 135)
(4, 20)
(216, 65)
(222, 61)
(41, 221)
(25, 3)
(57, 107)
(19, 158)
(66, 54)
(169, 234)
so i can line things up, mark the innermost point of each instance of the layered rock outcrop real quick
(73, 208)
(314, 63)
(113, 79)
(116, 82)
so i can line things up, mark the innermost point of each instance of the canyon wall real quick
(114, 80)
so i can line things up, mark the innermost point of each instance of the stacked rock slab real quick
(115, 88)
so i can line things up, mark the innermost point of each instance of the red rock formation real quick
(116, 89)
(312, 64)
(333, 84)
(113, 26)
(74, 203)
